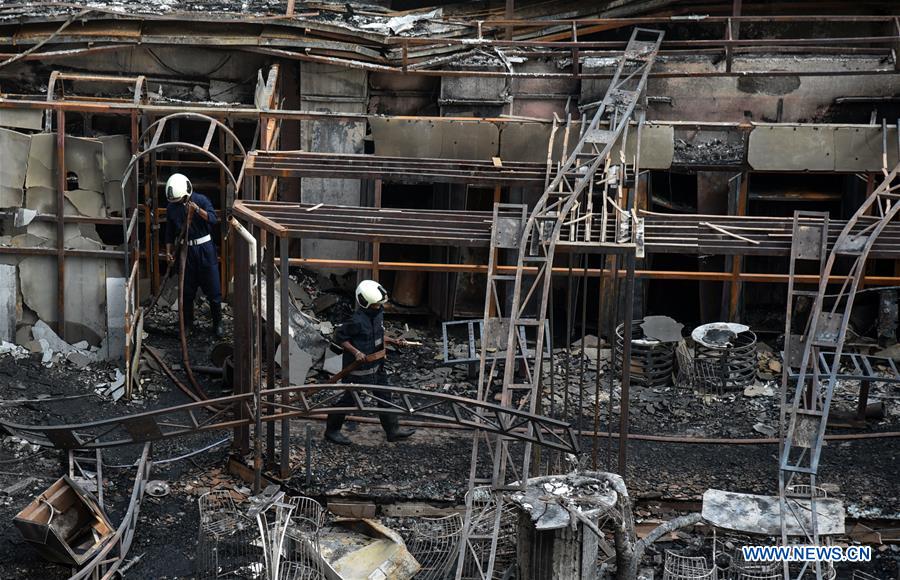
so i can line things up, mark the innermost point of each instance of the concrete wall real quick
(331, 89)
(752, 98)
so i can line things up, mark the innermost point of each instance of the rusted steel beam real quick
(590, 272)
(664, 233)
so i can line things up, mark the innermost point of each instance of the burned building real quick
(617, 281)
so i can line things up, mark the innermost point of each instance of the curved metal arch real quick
(153, 145)
(129, 169)
(302, 401)
(872, 231)
(194, 117)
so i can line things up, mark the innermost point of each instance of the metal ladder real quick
(818, 353)
(535, 236)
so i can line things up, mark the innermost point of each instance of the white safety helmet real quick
(178, 187)
(370, 292)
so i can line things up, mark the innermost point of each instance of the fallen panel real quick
(791, 148)
(14, 148)
(304, 334)
(365, 550)
(761, 514)
(436, 139)
(300, 363)
(85, 298)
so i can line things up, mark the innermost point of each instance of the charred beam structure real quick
(664, 233)
(377, 49)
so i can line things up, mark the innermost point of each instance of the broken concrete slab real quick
(24, 217)
(87, 203)
(304, 330)
(85, 299)
(29, 241)
(14, 148)
(112, 195)
(13, 349)
(79, 359)
(84, 158)
(334, 362)
(113, 389)
(44, 334)
(18, 486)
(300, 363)
(47, 230)
(761, 514)
(43, 200)
(116, 154)
(325, 301)
(8, 299)
(662, 328)
(41, 169)
(759, 390)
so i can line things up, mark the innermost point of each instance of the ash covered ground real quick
(433, 466)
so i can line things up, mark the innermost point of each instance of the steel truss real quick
(301, 401)
(568, 200)
(818, 352)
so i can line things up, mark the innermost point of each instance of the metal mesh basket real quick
(678, 567)
(225, 544)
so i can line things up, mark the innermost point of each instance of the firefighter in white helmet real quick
(202, 266)
(360, 336)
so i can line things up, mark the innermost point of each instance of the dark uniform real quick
(365, 331)
(202, 267)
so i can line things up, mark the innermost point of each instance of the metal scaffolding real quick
(817, 351)
(567, 201)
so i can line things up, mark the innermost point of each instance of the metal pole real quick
(285, 358)
(61, 223)
(626, 364)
